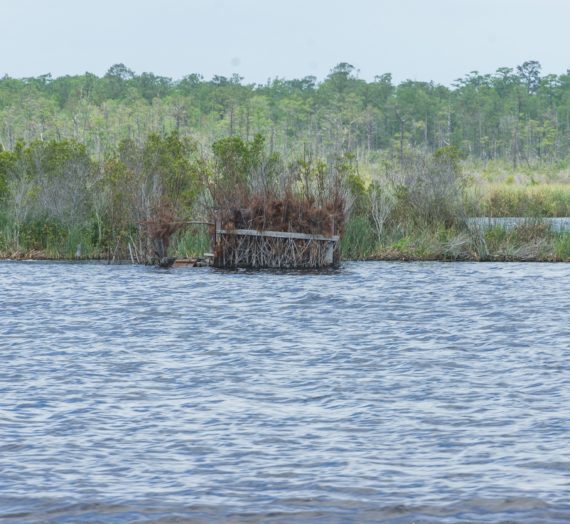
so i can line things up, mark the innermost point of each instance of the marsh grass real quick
(499, 171)
(191, 243)
(46, 241)
(505, 200)
(359, 240)
(530, 241)
(562, 246)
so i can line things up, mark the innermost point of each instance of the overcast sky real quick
(438, 40)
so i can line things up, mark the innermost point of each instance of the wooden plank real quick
(277, 234)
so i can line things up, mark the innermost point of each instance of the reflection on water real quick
(382, 392)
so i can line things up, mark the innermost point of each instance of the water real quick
(557, 225)
(392, 392)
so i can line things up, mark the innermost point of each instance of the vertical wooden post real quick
(217, 243)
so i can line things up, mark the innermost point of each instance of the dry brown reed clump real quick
(159, 230)
(254, 189)
(290, 213)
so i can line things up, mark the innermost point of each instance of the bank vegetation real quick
(103, 167)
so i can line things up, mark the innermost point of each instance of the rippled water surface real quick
(384, 392)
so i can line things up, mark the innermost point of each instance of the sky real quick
(437, 40)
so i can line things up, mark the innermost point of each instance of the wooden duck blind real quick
(250, 248)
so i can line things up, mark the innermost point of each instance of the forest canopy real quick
(514, 114)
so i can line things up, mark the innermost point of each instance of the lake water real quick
(382, 392)
(557, 225)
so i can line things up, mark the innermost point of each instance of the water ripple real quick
(381, 392)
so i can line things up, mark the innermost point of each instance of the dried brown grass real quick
(290, 213)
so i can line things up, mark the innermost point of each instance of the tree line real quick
(514, 114)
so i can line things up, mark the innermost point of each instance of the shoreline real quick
(385, 257)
